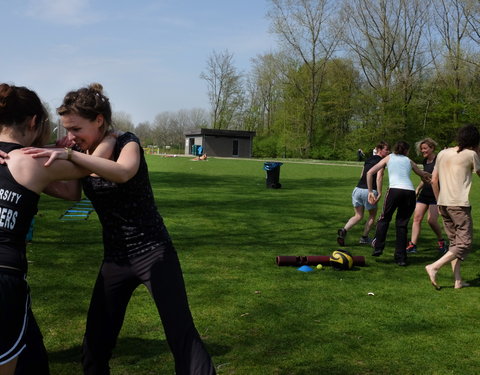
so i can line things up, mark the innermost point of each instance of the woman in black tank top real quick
(426, 200)
(23, 122)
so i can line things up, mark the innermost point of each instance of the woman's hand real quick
(372, 197)
(51, 153)
(426, 178)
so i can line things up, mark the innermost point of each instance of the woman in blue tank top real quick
(400, 197)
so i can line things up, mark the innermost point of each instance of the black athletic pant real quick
(160, 271)
(402, 201)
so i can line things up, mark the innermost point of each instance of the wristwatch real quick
(69, 153)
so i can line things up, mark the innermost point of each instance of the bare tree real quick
(193, 118)
(386, 36)
(415, 57)
(372, 29)
(305, 29)
(225, 89)
(123, 121)
(471, 9)
(144, 131)
(167, 130)
(169, 127)
(264, 88)
(453, 20)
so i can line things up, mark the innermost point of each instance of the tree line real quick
(166, 132)
(346, 74)
(343, 75)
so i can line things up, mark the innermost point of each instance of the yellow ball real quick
(341, 260)
(319, 266)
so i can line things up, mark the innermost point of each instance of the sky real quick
(147, 54)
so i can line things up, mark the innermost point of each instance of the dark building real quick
(219, 142)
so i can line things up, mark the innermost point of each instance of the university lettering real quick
(9, 196)
(8, 218)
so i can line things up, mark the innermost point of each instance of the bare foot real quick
(460, 284)
(433, 276)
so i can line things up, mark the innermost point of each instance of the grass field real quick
(256, 317)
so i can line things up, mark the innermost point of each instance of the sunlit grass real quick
(256, 317)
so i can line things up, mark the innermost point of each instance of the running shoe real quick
(442, 247)
(365, 241)
(376, 252)
(411, 248)
(341, 234)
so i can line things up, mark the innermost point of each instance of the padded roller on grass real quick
(313, 260)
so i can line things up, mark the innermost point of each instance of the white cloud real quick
(65, 12)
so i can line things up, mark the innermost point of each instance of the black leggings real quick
(402, 201)
(160, 272)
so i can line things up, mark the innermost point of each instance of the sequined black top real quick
(130, 220)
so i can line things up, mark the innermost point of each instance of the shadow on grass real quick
(65, 355)
(132, 348)
(475, 282)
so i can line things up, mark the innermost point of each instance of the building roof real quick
(220, 132)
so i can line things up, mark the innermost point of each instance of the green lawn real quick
(256, 317)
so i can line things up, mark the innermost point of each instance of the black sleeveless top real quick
(130, 220)
(18, 205)
(427, 190)
(369, 163)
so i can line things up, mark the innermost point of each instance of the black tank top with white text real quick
(18, 205)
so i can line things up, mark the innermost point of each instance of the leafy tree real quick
(306, 33)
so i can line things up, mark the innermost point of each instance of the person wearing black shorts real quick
(426, 201)
(23, 121)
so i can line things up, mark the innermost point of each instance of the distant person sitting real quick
(203, 157)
